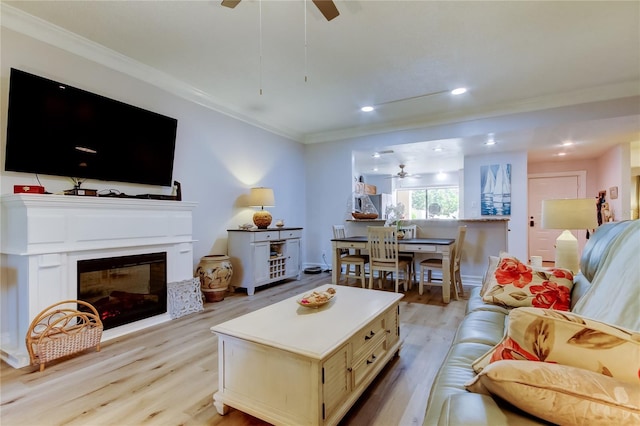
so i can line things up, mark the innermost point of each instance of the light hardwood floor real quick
(167, 374)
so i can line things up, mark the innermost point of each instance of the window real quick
(434, 202)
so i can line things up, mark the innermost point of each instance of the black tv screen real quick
(56, 129)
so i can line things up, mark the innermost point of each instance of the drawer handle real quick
(371, 334)
(373, 358)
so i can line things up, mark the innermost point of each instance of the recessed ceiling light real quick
(567, 143)
(367, 108)
(490, 139)
(561, 154)
(376, 155)
(375, 169)
(437, 149)
(459, 91)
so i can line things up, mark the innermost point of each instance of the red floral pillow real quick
(515, 284)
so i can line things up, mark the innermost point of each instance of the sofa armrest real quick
(473, 409)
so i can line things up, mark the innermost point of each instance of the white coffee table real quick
(289, 364)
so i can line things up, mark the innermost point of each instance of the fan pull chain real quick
(305, 41)
(260, 62)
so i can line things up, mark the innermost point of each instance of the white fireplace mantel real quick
(44, 236)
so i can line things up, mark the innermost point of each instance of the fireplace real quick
(47, 238)
(124, 289)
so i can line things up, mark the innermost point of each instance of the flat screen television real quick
(57, 129)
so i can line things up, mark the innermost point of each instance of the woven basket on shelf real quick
(60, 331)
(364, 215)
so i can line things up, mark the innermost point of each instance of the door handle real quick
(531, 223)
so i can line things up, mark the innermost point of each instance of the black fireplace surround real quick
(124, 289)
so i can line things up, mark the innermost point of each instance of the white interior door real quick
(542, 241)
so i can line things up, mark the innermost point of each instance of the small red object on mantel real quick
(28, 189)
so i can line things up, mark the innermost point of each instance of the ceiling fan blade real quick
(327, 8)
(230, 3)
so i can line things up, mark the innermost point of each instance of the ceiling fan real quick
(402, 174)
(326, 7)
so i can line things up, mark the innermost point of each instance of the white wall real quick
(611, 174)
(518, 231)
(218, 158)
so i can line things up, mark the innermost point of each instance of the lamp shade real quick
(261, 197)
(574, 213)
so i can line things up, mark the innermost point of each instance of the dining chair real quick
(431, 264)
(357, 260)
(384, 256)
(410, 232)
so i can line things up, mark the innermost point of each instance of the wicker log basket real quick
(60, 330)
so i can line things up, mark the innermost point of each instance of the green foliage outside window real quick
(434, 203)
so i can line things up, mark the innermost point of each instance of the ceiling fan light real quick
(367, 108)
(459, 91)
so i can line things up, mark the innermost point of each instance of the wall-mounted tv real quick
(57, 129)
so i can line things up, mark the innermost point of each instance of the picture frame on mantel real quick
(613, 192)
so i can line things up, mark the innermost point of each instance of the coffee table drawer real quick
(367, 337)
(365, 366)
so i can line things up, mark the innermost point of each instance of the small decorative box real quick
(28, 189)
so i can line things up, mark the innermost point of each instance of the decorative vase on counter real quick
(215, 272)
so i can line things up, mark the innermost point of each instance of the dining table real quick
(438, 246)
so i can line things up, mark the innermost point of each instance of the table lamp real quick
(261, 197)
(575, 213)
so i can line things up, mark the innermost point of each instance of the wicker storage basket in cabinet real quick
(61, 330)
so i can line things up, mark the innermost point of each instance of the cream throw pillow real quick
(561, 394)
(569, 339)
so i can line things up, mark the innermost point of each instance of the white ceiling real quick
(514, 57)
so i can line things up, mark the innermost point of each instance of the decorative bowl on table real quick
(317, 298)
(364, 215)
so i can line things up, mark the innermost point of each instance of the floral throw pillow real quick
(568, 339)
(514, 284)
(561, 394)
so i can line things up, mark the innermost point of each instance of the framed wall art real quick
(495, 181)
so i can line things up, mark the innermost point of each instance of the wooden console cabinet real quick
(292, 365)
(263, 256)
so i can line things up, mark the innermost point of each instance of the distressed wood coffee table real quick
(288, 364)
